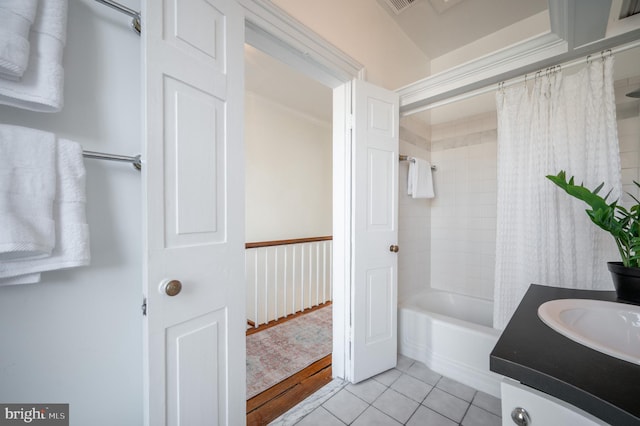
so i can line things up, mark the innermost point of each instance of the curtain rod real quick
(135, 21)
(571, 64)
(521, 79)
(137, 163)
(406, 158)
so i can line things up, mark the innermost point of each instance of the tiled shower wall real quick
(414, 236)
(629, 138)
(628, 113)
(463, 213)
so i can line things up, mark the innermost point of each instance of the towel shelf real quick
(406, 158)
(135, 21)
(137, 163)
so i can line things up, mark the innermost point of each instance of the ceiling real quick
(436, 33)
(438, 27)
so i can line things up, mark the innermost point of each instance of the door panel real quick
(375, 230)
(194, 212)
(381, 196)
(194, 140)
(379, 292)
(193, 348)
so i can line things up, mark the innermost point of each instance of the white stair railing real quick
(286, 277)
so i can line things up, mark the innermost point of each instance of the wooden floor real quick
(270, 404)
(278, 399)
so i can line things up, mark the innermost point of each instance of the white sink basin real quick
(608, 327)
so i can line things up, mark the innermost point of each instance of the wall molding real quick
(272, 30)
(479, 73)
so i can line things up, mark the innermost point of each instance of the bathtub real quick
(452, 335)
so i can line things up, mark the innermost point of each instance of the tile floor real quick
(410, 394)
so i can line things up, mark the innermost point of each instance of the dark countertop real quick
(537, 356)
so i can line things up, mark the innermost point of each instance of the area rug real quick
(282, 350)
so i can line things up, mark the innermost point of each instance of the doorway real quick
(288, 148)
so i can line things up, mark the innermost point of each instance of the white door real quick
(375, 230)
(193, 178)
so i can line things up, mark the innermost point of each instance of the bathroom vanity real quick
(553, 380)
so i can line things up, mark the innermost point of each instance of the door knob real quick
(171, 287)
(520, 416)
(394, 248)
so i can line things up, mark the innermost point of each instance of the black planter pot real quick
(626, 281)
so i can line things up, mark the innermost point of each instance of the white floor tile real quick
(456, 388)
(404, 363)
(396, 405)
(374, 417)
(345, 406)
(388, 377)
(479, 417)
(446, 404)
(412, 387)
(488, 402)
(424, 416)
(320, 417)
(422, 372)
(410, 394)
(368, 390)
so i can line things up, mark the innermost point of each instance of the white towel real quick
(27, 192)
(41, 86)
(72, 231)
(420, 179)
(16, 18)
(20, 279)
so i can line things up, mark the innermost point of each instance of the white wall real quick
(76, 337)
(288, 173)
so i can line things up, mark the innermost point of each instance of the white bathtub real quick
(452, 335)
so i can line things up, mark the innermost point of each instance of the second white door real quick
(375, 230)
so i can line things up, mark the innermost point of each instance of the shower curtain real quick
(543, 235)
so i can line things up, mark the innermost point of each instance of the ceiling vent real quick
(399, 5)
(442, 6)
(629, 8)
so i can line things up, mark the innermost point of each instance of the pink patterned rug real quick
(281, 351)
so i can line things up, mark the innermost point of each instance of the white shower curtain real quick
(543, 235)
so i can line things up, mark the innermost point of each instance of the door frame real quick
(271, 30)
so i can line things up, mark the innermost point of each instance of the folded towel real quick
(420, 179)
(27, 192)
(72, 231)
(41, 85)
(24, 8)
(16, 18)
(20, 279)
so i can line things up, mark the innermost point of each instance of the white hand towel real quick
(27, 192)
(42, 84)
(72, 231)
(20, 279)
(420, 179)
(16, 18)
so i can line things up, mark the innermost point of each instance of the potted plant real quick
(623, 225)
